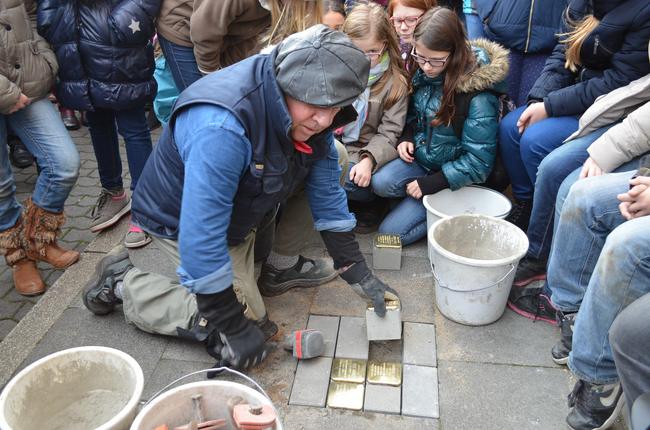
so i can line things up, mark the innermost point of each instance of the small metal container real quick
(349, 370)
(385, 373)
(345, 395)
(387, 252)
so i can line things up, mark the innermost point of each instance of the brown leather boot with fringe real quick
(27, 279)
(41, 229)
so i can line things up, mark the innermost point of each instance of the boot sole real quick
(527, 281)
(561, 361)
(612, 418)
(97, 279)
(531, 316)
(108, 223)
(132, 245)
(298, 283)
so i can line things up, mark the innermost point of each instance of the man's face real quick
(308, 120)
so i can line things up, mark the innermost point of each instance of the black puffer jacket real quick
(613, 55)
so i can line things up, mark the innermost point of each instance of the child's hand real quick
(636, 202)
(590, 168)
(533, 113)
(361, 172)
(405, 151)
(23, 102)
(413, 190)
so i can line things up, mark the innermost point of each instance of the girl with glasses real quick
(445, 67)
(404, 16)
(370, 140)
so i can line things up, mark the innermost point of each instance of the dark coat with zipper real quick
(613, 55)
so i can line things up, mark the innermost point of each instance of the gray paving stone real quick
(87, 182)
(419, 344)
(107, 239)
(352, 341)
(311, 382)
(420, 392)
(167, 371)
(382, 398)
(8, 309)
(307, 418)
(186, 350)
(500, 397)
(329, 326)
(388, 327)
(26, 307)
(5, 327)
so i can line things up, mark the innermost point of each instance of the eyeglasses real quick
(433, 62)
(408, 20)
(373, 55)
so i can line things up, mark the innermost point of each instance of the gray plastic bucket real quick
(473, 260)
(90, 387)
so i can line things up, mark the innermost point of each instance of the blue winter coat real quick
(527, 26)
(612, 56)
(467, 160)
(104, 51)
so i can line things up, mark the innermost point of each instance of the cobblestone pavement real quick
(74, 234)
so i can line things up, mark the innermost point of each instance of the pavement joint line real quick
(528, 366)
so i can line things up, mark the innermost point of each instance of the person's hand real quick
(361, 172)
(243, 349)
(405, 151)
(533, 113)
(636, 202)
(413, 190)
(23, 102)
(590, 168)
(372, 288)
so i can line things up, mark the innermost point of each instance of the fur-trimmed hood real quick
(491, 71)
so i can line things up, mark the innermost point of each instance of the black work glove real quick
(243, 342)
(368, 286)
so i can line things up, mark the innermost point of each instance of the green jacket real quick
(468, 160)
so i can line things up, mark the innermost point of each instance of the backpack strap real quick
(462, 101)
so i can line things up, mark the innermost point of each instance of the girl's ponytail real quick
(575, 38)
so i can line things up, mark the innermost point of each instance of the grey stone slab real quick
(307, 418)
(352, 340)
(329, 326)
(8, 309)
(186, 350)
(420, 392)
(382, 398)
(6, 326)
(419, 344)
(511, 340)
(25, 308)
(311, 382)
(337, 298)
(167, 371)
(388, 327)
(501, 397)
(417, 249)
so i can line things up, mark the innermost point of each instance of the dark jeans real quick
(630, 341)
(104, 125)
(181, 62)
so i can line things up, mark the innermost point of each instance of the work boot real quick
(27, 279)
(110, 207)
(19, 155)
(561, 350)
(305, 273)
(99, 293)
(41, 229)
(69, 118)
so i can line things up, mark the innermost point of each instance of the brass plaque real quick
(348, 370)
(385, 373)
(345, 395)
(391, 305)
(388, 241)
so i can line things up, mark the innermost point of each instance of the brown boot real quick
(41, 230)
(27, 280)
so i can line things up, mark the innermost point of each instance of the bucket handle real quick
(446, 287)
(216, 370)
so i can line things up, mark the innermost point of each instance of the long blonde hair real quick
(291, 16)
(371, 20)
(575, 38)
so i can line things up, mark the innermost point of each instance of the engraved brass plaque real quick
(385, 373)
(348, 370)
(345, 395)
(388, 241)
(391, 305)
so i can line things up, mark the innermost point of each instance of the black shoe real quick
(99, 293)
(274, 282)
(520, 213)
(368, 214)
(268, 327)
(531, 303)
(19, 155)
(529, 270)
(560, 351)
(69, 119)
(594, 406)
(152, 120)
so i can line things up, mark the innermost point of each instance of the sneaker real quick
(268, 327)
(110, 207)
(305, 273)
(594, 406)
(560, 351)
(99, 293)
(520, 213)
(530, 302)
(136, 237)
(529, 270)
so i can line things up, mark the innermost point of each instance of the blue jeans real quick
(40, 128)
(409, 217)
(181, 62)
(104, 125)
(355, 192)
(522, 153)
(552, 171)
(601, 265)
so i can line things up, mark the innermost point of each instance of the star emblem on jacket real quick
(134, 26)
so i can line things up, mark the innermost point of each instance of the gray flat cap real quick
(321, 67)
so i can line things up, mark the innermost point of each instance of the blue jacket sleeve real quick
(46, 16)
(216, 154)
(132, 21)
(327, 199)
(478, 144)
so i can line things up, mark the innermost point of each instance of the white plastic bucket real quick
(473, 260)
(174, 407)
(90, 387)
